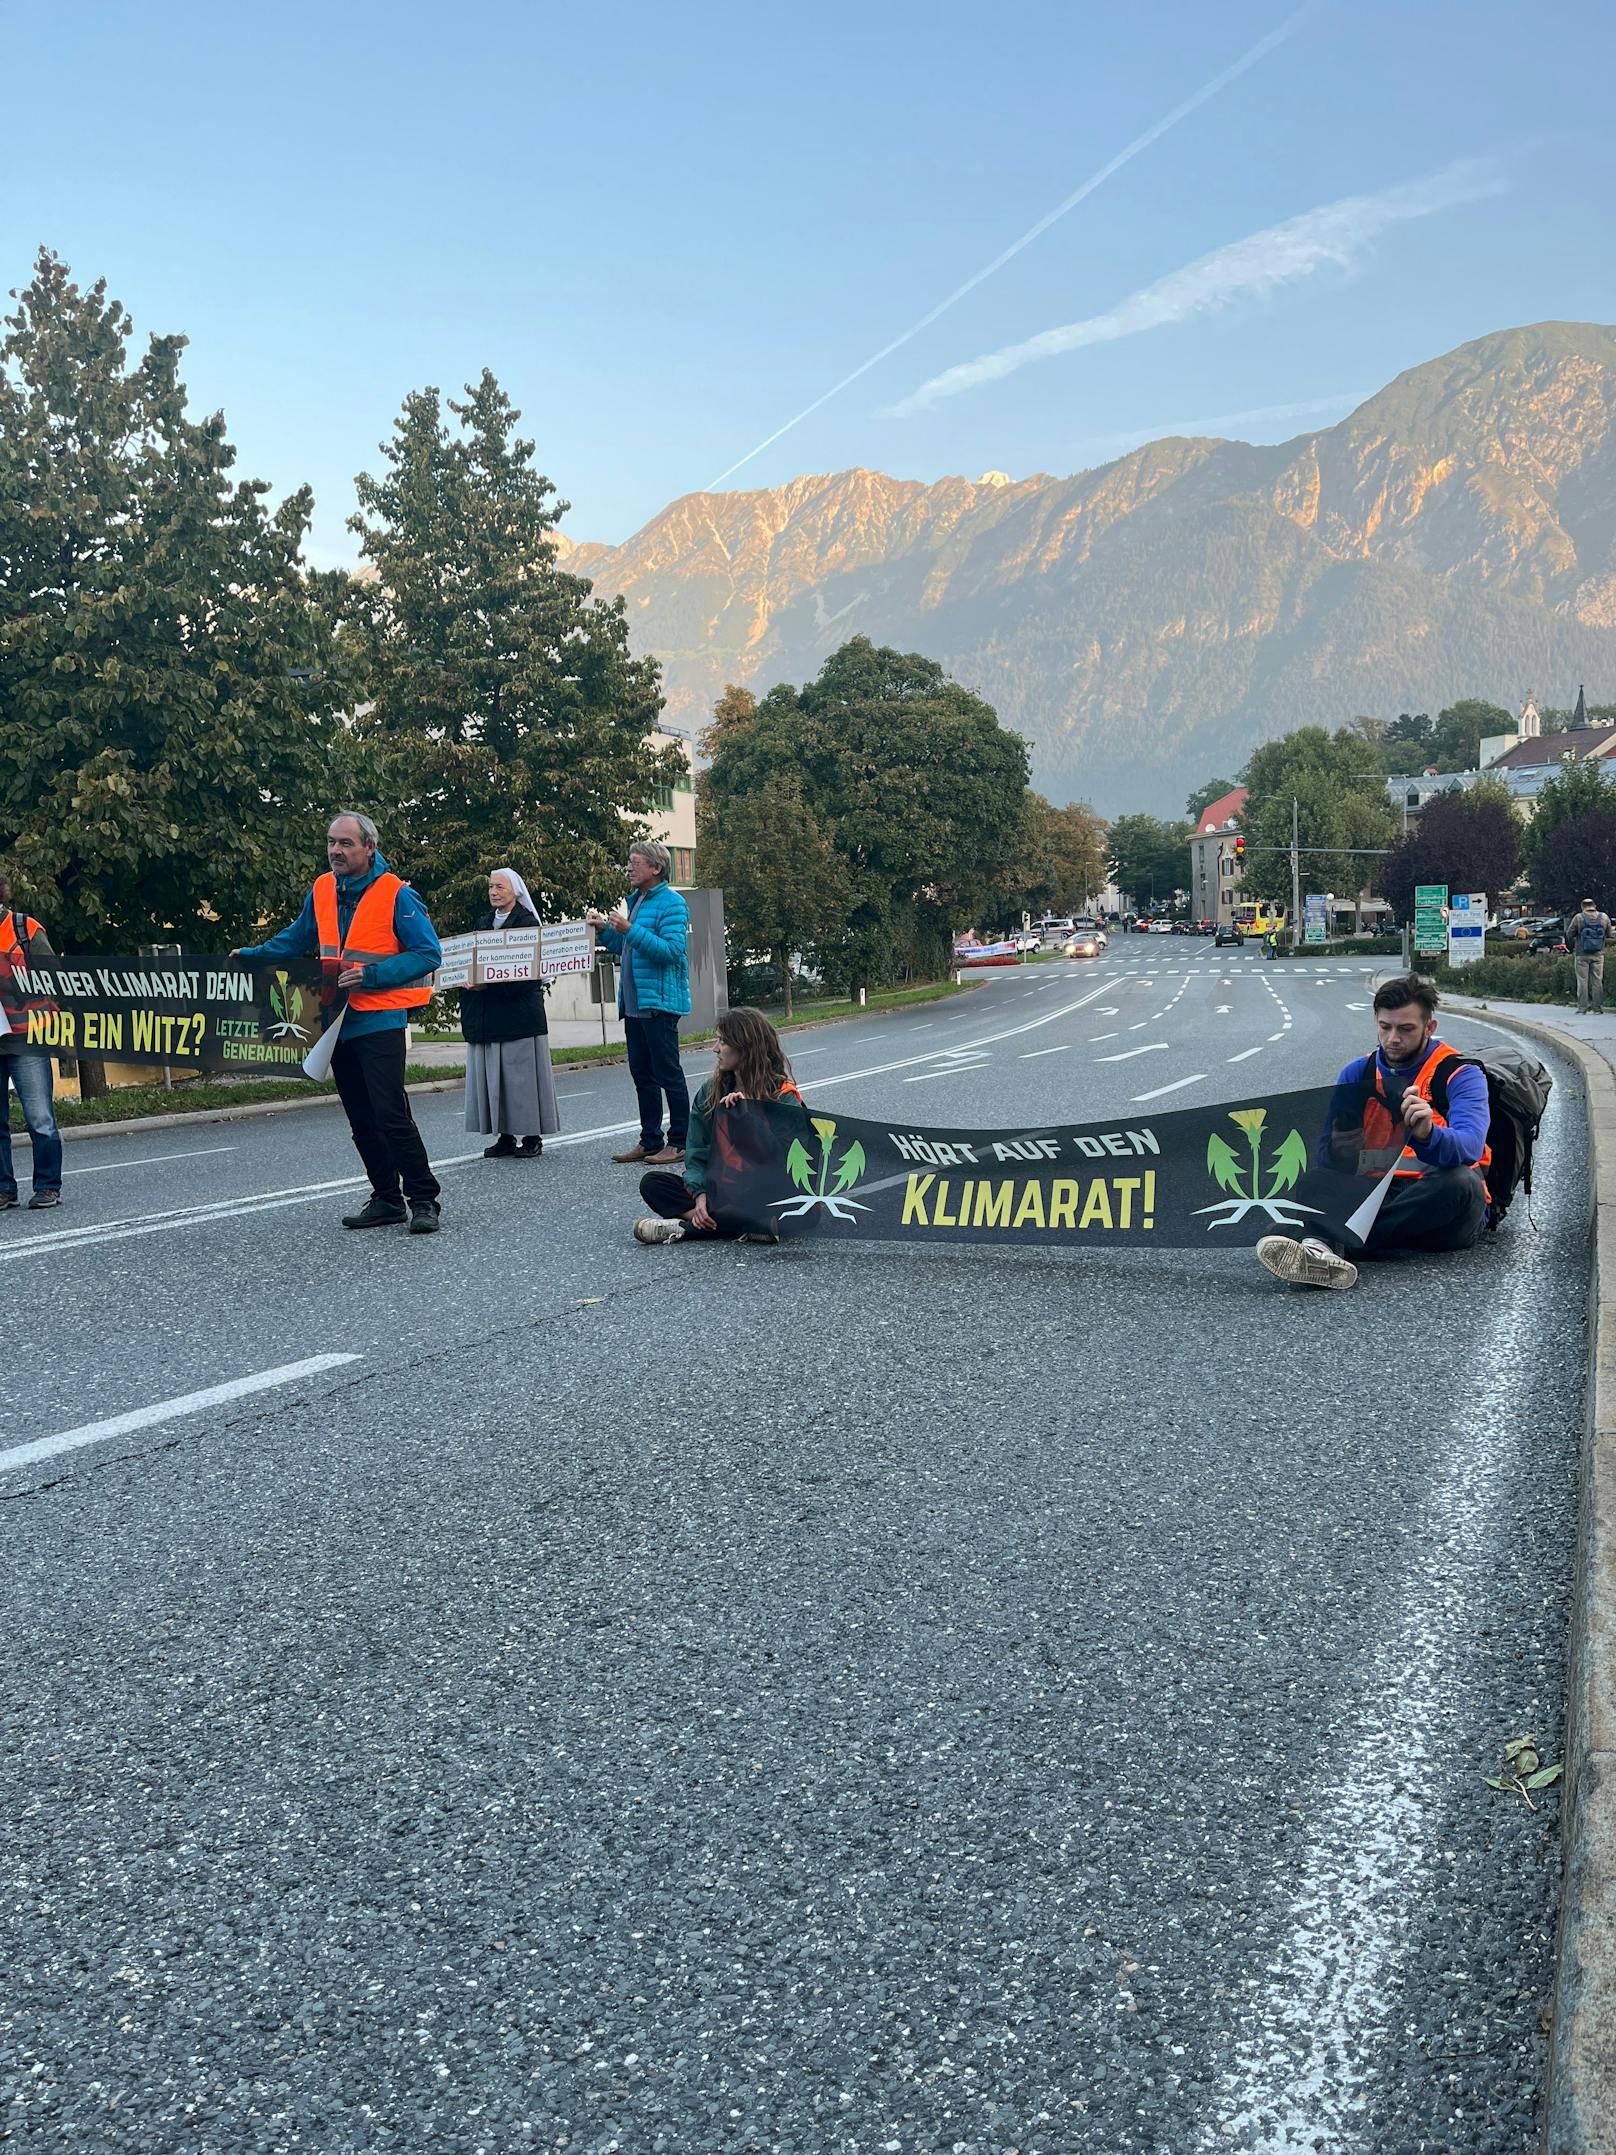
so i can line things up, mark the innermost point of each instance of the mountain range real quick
(1148, 623)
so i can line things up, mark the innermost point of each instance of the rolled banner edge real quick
(317, 1062)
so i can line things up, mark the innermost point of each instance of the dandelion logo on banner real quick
(1245, 1180)
(818, 1187)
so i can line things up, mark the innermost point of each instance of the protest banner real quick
(189, 1012)
(1210, 1177)
(489, 957)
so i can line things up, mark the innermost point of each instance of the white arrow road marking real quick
(1177, 1085)
(1106, 1010)
(1126, 1055)
(1357, 1006)
(1222, 1010)
(1246, 1054)
(167, 1410)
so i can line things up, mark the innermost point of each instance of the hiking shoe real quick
(760, 1234)
(425, 1217)
(634, 1152)
(652, 1231)
(1309, 1263)
(379, 1212)
(669, 1156)
(6, 1202)
(503, 1148)
(42, 1200)
(530, 1148)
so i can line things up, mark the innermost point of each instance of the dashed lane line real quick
(1246, 1054)
(1126, 1055)
(168, 1410)
(1177, 1085)
(1032, 1054)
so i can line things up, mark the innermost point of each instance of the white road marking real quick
(1101, 1036)
(167, 1410)
(1126, 1055)
(1031, 1054)
(1222, 1010)
(1357, 1006)
(1277, 1036)
(1177, 1085)
(150, 1159)
(1246, 1054)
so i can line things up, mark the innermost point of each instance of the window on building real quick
(684, 864)
(661, 801)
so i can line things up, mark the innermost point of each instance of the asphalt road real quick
(806, 1698)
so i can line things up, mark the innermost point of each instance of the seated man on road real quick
(1398, 1105)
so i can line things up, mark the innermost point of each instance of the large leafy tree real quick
(784, 889)
(1150, 859)
(1577, 859)
(1576, 790)
(1343, 814)
(912, 782)
(503, 715)
(1469, 841)
(165, 699)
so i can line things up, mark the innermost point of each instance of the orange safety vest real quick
(370, 936)
(1381, 1126)
(9, 939)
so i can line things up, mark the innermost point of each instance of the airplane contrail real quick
(1152, 134)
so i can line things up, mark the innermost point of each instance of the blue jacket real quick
(419, 951)
(656, 945)
(1460, 1144)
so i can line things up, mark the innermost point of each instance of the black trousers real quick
(653, 1064)
(370, 1083)
(1442, 1210)
(670, 1197)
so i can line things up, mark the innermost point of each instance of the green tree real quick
(1342, 803)
(915, 785)
(1460, 730)
(1470, 841)
(504, 716)
(1577, 860)
(166, 702)
(784, 888)
(1079, 856)
(1203, 797)
(1577, 789)
(1150, 859)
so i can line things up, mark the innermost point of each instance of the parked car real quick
(1551, 938)
(1226, 935)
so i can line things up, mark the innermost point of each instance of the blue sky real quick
(669, 230)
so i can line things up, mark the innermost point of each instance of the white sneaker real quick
(1309, 1263)
(650, 1230)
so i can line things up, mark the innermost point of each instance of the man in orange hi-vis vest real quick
(373, 936)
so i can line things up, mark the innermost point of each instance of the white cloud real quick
(1334, 236)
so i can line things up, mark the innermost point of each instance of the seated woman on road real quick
(509, 1086)
(750, 1065)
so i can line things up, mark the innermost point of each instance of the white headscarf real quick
(523, 895)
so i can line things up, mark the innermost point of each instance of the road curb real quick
(1579, 2109)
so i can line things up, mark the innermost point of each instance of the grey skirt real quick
(510, 1089)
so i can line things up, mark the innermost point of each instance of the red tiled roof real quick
(1216, 813)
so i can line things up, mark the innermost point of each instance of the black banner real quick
(191, 1013)
(1207, 1177)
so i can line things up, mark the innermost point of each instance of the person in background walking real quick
(750, 1065)
(651, 931)
(374, 937)
(23, 941)
(1587, 933)
(510, 1089)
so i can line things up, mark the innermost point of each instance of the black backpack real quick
(1518, 1089)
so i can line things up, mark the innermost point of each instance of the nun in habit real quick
(510, 1091)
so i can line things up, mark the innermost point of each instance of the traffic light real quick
(1240, 849)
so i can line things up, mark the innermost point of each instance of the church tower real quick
(1531, 725)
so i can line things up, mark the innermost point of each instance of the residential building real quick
(672, 813)
(1214, 867)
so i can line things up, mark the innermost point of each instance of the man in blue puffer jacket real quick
(650, 933)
